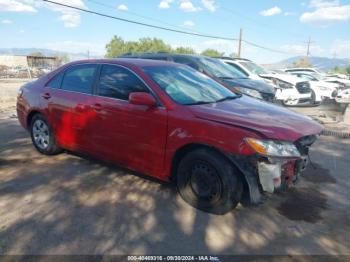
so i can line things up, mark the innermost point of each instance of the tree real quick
(211, 52)
(347, 70)
(36, 54)
(303, 62)
(233, 55)
(62, 59)
(115, 47)
(184, 50)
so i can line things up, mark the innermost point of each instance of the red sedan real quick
(171, 122)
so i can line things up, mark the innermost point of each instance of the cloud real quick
(317, 4)
(165, 4)
(289, 13)
(209, 4)
(270, 12)
(297, 49)
(326, 13)
(16, 6)
(6, 21)
(341, 48)
(187, 6)
(188, 23)
(71, 18)
(123, 8)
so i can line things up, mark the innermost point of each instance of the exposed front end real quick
(275, 166)
(290, 94)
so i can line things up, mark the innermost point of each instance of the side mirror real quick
(142, 99)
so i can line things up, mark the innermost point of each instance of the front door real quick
(131, 135)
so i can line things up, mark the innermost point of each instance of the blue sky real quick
(277, 24)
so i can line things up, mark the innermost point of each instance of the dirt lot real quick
(71, 205)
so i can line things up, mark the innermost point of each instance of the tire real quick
(209, 182)
(42, 136)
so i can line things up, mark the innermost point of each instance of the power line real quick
(260, 24)
(143, 24)
(164, 28)
(138, 15)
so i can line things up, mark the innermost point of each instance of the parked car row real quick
(325, 86)
(24, 72)
(191, 124)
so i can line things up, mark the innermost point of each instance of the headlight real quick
(323, 88)
(273, 148)
(283, 85)
(251, 92)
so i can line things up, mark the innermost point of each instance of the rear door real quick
(69, 99)
(131, 135)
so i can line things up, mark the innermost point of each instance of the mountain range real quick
(322, 63)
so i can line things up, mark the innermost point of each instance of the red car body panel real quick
(146, 139)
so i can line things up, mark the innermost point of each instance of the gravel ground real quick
(67, 204)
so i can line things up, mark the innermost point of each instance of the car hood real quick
(258, 85)
(327, 84)
(283, 77)
(271, 121)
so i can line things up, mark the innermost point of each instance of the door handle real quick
(97, 107)
(46, 96)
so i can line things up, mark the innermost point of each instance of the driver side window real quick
(118, 82)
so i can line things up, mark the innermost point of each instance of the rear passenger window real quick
(118, 82)
(56, 81)
(79, 78)
(186, 61)
(238, 68)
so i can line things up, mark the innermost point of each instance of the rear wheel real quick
(42, 136)
(209, 182)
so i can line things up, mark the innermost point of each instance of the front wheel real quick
(42, 136)
(209, 182)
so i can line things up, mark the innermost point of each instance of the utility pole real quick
(309, 42)
(240, 43)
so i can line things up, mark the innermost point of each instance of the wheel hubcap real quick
(41, 134)
(205, 182)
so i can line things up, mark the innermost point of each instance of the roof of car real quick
(126, 61)
(232, 58)
(158, 54)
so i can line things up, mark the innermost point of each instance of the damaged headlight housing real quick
(283, 85)
(273, 148)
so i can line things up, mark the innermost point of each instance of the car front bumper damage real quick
(269, 174)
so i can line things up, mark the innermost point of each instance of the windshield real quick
(254, 68)
(187, 86)
(220, 69)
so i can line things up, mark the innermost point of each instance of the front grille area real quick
(304, 143)
(268, 96)
(303, 87)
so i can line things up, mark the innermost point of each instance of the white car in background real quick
(344, 83)
(321, 90)
(305, 70)
(289, 89)
(343, 96)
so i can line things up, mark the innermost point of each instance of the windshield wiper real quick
(228, 98)
(226, 77)
(199, 103)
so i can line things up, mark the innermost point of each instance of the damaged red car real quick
(170, 122)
